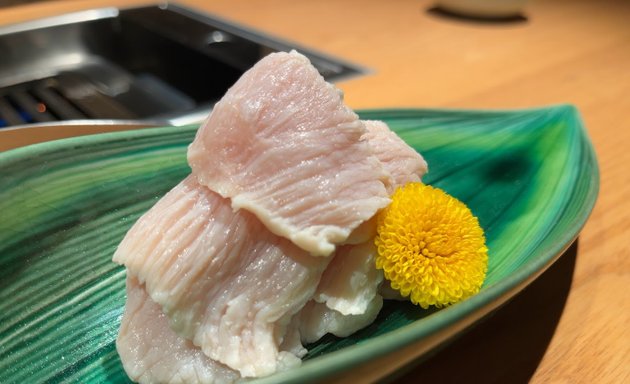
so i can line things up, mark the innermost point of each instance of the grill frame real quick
(117, 64)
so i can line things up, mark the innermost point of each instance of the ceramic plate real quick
(529, 175)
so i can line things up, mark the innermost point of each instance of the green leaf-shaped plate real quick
(529, 175)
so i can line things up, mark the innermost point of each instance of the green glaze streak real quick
(529, 175)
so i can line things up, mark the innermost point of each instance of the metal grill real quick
(156, 63)
(63, 97)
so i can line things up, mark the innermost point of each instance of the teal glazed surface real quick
(529, 175)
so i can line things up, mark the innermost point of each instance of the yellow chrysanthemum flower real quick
(430, 246)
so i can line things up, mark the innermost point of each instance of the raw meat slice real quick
(224, 281)
(403, 163)
(316, 319)
(350, 282)
(282, 145)
(152, 353)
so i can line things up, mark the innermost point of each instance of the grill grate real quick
(67, 96)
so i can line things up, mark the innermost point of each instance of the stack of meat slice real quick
(268, 244)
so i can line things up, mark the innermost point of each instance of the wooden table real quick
(573, 324)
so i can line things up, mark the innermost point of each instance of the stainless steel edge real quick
(68, 18)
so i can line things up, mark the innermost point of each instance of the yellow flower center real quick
(430, 246)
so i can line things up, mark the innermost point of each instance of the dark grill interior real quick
(72, 96)
(54, 99)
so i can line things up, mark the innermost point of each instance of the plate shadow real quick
(508, 345)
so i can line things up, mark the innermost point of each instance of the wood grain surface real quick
(573, 324)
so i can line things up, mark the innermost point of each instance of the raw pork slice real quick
(282, 145)
(152, 353)
(316, 319)
(403, 163)
(351, 280)
(224, 281)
